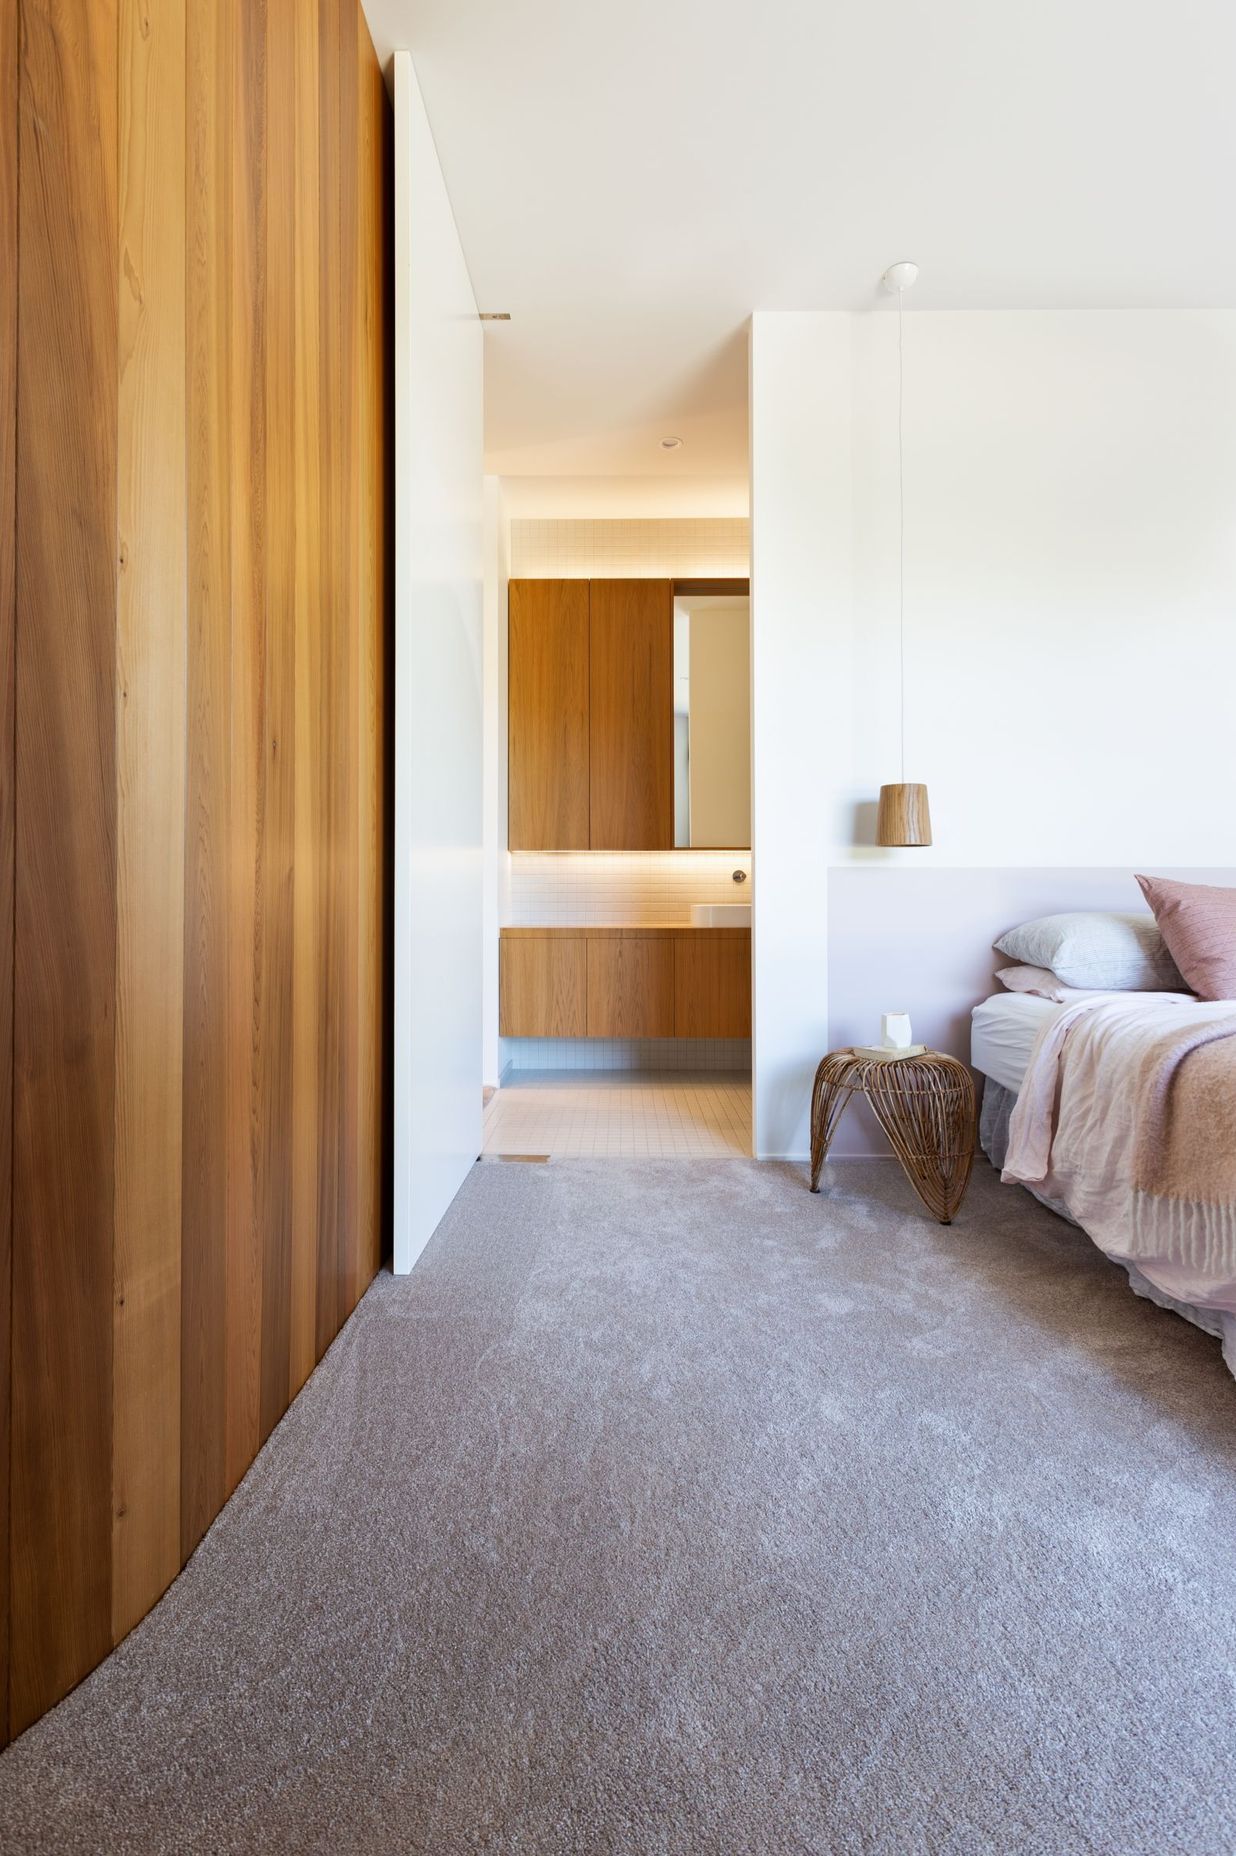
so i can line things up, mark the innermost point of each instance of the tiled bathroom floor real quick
(569, 1114)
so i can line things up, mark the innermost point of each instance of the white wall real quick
(438, 649)
(496, 857)
(801, 492)
(1070, 612)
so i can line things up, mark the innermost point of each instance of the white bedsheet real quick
(1002, 1034)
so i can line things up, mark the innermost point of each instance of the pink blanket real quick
(1127, 1120)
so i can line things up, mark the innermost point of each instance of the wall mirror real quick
(712, 722)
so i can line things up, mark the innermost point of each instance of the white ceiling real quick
(631, 180)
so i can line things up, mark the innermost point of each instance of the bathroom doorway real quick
(625, 930)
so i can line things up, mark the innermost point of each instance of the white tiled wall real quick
(681, 548)
(619, 889)
(683, 1054)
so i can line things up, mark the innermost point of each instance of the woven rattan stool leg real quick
(932, 1134)
(828, 1098)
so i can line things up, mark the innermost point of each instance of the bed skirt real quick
(998, 1105)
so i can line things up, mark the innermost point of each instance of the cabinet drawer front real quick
(712, 988)
(543, 988)
(631, 987)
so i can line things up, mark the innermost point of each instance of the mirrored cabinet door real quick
(712, 722)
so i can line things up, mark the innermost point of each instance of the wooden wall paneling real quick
(631, 986)
(273, 1190)
(9, 28)
(712, 986)
(543, 987)
(330, 748)
(246, 477)
(349, 27)
(308, 861)
(208, 864)
(65, 941)
(195, 479)
(150, 817)
(548, 715)
(631, 719)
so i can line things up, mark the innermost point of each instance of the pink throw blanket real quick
(1127, 1118)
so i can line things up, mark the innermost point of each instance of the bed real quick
(1118, 1111)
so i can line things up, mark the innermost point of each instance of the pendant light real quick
(903, 818)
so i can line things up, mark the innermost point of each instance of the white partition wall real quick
(496, 859)
(438, 758)
(800, 672)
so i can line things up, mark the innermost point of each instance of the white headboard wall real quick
(920, 941)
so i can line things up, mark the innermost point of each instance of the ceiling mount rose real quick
(901, 276)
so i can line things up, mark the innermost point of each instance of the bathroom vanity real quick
(638, 982)
(629, 730)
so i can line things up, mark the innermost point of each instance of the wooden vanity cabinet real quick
(712, 985)
(625, 983)
(542, 986)
(630, 986)
(590, 691)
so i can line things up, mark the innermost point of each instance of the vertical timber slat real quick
(150, 786)
(275, 1165)
(347, 662)
(9, 23)
(330, 744)
(203, 1435)
(310, 618)
(246, 439)
(64, 918)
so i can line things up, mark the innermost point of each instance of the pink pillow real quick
(1198, 925)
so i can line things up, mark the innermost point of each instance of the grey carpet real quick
(668, 1510)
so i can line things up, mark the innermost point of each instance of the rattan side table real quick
(924, 1104)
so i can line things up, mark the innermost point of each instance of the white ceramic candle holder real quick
(895, 1032)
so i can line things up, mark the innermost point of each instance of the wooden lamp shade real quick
(904, 816)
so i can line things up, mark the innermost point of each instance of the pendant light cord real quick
(901, 532)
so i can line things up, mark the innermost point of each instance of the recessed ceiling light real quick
(671, 444)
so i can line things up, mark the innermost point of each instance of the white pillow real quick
(1042, 983)
(1096, 952)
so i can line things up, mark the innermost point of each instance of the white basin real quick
(720, 914)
